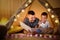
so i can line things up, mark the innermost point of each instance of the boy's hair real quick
(31, 12)
(44, 13)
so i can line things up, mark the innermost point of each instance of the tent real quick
(38, 6)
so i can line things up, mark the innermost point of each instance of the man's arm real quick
(24, 26)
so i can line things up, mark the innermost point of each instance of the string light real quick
(27, 35)
(31, 35)
(46, 4)
(26, 5)
(56, 21)
(45, 36)
(40, 35)
(36, 35)
(52, 11)
(11, 26)
(15, 19)
(54, 36)
(50, 36)
(48, 9)
(18, 15)
(12, 35)
(16, 36)
(23, 10)
(52, 16)
(30, 1)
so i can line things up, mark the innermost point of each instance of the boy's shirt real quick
(44, 25)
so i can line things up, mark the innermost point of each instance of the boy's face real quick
(43, 18)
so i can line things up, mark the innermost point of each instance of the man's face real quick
(31, 17)
(43, 18)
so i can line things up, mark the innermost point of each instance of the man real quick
(44, 24)
(31, 20)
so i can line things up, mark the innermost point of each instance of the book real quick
(26, 27)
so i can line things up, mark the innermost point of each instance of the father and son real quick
(36, 25)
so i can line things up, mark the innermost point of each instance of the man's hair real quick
(31, 12)
(44, 13)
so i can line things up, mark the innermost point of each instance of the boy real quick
(44, 24)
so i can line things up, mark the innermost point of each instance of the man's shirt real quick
(31, 24)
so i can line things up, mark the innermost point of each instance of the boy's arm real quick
(49, 29)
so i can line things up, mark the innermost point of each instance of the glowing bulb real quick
(16, 36)
(52, 11)
(29, 1)
(12, 35)
(52, 16)
(18, 15)
(46, 4)
(15, 19)
(23, 10)
(50, 36)
(40, 35)
(45, 36)
(54, 36)
(31, 35)
(56, 21)
(27, 35)
(11, 26)
(36, 35)
(26, 5)
(48, 9)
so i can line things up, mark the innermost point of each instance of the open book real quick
(26, 27)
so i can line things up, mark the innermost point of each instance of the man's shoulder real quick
(25, 20)
(37, 19)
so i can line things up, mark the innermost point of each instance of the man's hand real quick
(25, 27)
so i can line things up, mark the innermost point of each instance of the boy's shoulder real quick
(45, 22)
